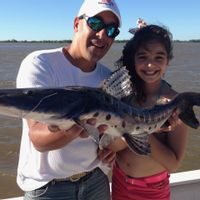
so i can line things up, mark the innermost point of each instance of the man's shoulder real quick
(43, 52)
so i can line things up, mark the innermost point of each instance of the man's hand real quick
(106, 155)
(77, 130)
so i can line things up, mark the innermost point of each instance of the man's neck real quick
(78, 62)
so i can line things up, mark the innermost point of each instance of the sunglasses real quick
(96, 24)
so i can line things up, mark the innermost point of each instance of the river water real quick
(183, 73)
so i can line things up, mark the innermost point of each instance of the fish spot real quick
(108, 117)
(155, 126)
(150, 127)
(96, 114)
(137, 128)
(163, 117)
(123, 124)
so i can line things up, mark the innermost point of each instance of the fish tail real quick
(188, 115)
(138, 143)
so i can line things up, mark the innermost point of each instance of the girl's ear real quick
(168, 62)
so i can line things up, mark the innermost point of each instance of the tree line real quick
(69, 41)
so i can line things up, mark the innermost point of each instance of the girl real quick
(137, 177)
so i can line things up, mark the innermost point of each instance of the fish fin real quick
(91, 130)
(119, 84)
(188, 117)
(105, 140)
(138, 143)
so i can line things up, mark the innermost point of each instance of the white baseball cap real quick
(94, 7)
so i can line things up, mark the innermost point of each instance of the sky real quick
(53, 19)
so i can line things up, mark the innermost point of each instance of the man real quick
(63, 164)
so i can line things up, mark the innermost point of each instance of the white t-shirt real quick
(50, 68)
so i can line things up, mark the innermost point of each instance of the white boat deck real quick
(184, 186)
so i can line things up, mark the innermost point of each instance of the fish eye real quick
(108, 117)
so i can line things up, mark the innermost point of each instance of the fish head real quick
(17, 102)
(28, 102)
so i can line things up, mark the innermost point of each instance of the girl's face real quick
(151, 62)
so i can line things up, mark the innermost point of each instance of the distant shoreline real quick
(69, 41)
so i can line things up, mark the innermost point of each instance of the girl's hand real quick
(106, 156)
(173, 122)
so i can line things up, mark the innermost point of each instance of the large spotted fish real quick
(66, 106)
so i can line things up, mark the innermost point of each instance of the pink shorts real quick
(154, 187)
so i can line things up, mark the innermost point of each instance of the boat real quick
(184, 186)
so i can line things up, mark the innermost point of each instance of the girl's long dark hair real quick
(141, 38)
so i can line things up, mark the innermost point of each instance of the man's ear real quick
(76, 24)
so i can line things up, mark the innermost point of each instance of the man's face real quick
(93, 45)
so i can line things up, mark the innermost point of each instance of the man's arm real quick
(45, 139)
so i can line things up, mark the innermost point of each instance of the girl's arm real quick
(171, 154)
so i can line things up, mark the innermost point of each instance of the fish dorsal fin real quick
(118, 84)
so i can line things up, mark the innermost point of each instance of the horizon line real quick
(69, 41)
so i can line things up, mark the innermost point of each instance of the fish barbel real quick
(65, 106)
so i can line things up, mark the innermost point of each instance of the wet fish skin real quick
(65, 106)
(147, 121)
